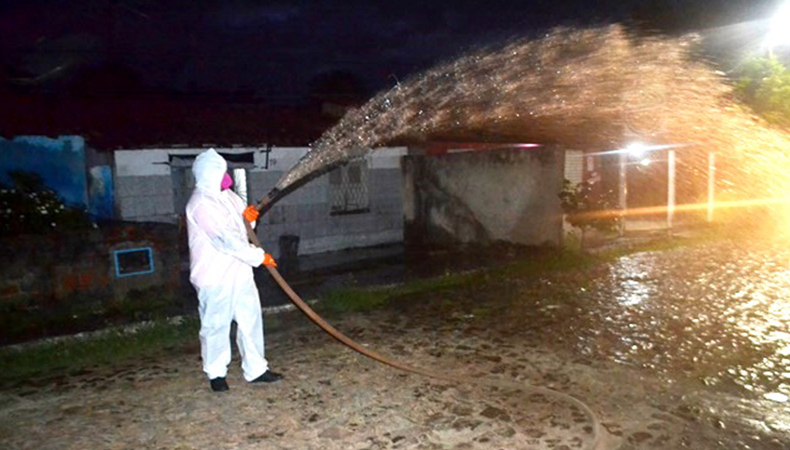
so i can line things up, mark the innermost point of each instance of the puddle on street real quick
(716, 313)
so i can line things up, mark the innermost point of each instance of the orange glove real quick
(268, 260)
(251, 214)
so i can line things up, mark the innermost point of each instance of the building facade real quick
(356, 205)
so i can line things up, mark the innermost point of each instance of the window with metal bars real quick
(348, 188)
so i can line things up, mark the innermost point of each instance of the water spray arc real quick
(575, 88)
(592, 89)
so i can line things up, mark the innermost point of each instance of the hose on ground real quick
(268, 201)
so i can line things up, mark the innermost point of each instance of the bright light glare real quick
(637, 149)
(685, 207)
(779, 34)
(645, 162)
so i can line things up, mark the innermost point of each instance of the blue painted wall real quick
(100, 192)
(60, 162)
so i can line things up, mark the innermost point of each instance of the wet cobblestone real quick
(671, 349)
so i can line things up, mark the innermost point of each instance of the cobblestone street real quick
(684, 348)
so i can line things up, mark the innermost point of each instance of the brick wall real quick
(58, 266)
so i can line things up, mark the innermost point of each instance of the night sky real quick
(275, 50)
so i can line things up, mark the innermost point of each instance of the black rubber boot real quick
(219, 384)
(267, 377)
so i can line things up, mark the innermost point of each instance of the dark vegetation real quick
(763, 83)
(26, 319)
(30, 207)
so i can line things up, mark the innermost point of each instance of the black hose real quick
(268, 202)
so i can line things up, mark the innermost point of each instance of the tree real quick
(580, 202)
(764, 85)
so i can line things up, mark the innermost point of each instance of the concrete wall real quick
(147, 189)
(60, 162)
(144, 186)
(483, 197)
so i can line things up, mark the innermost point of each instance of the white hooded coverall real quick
(221, 262)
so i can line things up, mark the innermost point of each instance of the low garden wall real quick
(59, 283)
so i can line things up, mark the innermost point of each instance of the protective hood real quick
(209, 168)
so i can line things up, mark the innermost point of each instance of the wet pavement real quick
(720, 314)
(683, 348)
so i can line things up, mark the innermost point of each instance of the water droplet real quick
(776, 397)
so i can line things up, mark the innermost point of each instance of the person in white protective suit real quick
(221, 263)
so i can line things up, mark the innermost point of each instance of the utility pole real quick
(670, 189)
(711, 184)
(622, 192)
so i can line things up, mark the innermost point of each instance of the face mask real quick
(227, 182)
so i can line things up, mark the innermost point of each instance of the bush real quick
(143, 304)
(31, 318)
(764, 85)
(29, 207)
(581, 202)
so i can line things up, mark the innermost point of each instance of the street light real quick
(779, 32)
(637, 149)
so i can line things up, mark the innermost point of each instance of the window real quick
(574, 165)
(348, 188)
(133, 261)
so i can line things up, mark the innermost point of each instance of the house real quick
(436, 193)
(356, 205)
